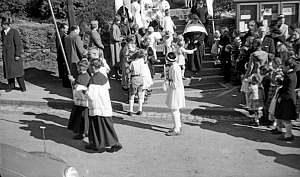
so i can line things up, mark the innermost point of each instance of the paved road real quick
(210, 146)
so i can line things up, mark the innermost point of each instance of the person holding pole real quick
(62, 72)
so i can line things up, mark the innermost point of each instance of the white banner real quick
(118, 4)
(210, 7)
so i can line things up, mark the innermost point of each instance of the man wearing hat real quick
(95, 38)
(282, 26)
(74, 49)
(175, 93)
(11, 52)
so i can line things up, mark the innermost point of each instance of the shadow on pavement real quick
(59, 133)
(56, 133)
(116, 92)
(289, 160)
(227, 99)
(47, 80)
(119, 120)
(3, 86)
(245, 131)
(59, 104)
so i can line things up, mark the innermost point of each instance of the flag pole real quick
(59, 38)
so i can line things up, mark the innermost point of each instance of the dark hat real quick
(6, 20)
(84, 63)
(280, 16)
(171, 57)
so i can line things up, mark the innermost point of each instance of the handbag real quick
(165, 86)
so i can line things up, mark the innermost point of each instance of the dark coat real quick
(286, 102)
(268, 45)
(12, 47)
(95, 40)
(60, 57)
(202, 13)
(74, 51)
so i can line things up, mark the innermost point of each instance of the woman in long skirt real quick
(102, 135)
(175, 93)
(286, 102)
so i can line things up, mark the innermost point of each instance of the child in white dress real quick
(181, 51)
(175, 93)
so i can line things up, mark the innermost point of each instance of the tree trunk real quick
(71, 13)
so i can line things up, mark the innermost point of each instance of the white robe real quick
(99, 99)
(136, 12)
(175, 91)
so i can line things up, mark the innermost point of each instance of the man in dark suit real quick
(74, 49)
(11, 53)
(62, 71)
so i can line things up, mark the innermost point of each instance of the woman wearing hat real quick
(11, 52)
(175, 93)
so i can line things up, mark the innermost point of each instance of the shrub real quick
(12, 7)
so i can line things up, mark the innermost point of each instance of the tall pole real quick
(71, 13)
(59, 38)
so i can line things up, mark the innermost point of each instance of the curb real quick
(118, 106)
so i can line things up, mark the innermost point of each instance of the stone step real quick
(179, 22)
(211, 71)
(159, 68)
(205, 80)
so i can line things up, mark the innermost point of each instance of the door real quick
(290, 10)
(246, 12)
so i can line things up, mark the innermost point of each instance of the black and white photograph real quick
(149, 88)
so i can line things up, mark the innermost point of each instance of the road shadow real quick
(226, 99)
(59, 104)
(53, 132)
(63, 122)
(244, 130)
(48, 81)
(122, 121)
(116, 92)
(3, 86)
(289, 160)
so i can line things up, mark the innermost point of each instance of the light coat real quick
(175, 90)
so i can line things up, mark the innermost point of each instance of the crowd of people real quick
(265, 61)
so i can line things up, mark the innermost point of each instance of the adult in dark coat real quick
(74, 49)
(252, 29)
(61, 65)
(286, 102)
(11, 53)
(201, 11)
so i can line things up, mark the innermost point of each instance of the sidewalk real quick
(45, 89)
